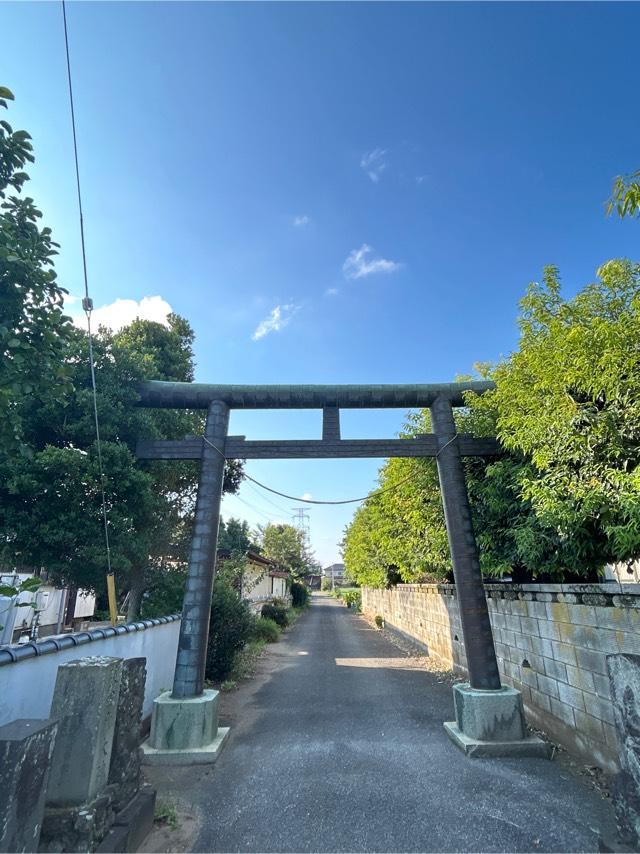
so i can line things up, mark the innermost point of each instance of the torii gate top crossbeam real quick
(177, 395)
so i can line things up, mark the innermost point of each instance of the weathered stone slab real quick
(624, 679)
(26, 748)
(85, 701)
(124, 770)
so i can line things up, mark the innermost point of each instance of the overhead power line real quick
(87, 305)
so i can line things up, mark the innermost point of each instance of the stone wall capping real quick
(15, 653)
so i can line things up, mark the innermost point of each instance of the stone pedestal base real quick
(184, 731)
(491, 723)
(76, 828)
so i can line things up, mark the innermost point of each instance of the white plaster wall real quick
(26, 687)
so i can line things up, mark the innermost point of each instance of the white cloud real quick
(359, 264)
(373, 163)
(420, 179)
(307, 496)
(301, 221)
(331, 292)
(276, 320)
(122, 312)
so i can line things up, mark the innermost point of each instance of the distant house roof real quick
(253, 557)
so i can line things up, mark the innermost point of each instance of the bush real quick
(230, 628)
(352, 599)
(299, 594)
(325, 584)
(276, 612)
(266, 630)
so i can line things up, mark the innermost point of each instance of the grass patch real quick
(228, 685)
(165, 814)
(246, 660)
(266, 630)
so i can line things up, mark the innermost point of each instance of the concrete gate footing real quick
(184, 731)
(491, 724)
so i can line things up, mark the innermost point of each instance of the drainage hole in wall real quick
(525, 663)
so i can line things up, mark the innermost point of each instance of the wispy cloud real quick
(122, 312)
(301, 220)
(420, 179)
(359, 264)
(373, 163)
(276, 320)
(331, 292)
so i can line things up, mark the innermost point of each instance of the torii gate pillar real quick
(489, 717)
(184, 724)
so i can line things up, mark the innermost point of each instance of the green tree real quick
(50, 509)
(236, 536)
(285, 544)
(568, 401)
(625, 195)
(33, 328)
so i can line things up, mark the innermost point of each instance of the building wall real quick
(551, 642)
(26, 685)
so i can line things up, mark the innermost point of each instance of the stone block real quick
(540, 700)
(26, 748)
(593, 660)
(549, 629)
(547, 685)
(527, 747)
(563, 712)
(184, 731)
(564, 653)
(555, 670)
(489, 715)
(579, 678)
(529, 626)
(132, 825)
(85, 701)
(589, 726)
(77, 828)
(624, 676)
(124, 769)
(178, 724)
(571, 696)
(542, 646)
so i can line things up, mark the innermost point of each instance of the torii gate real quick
(445, 444)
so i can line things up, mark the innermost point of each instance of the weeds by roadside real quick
(166, 815)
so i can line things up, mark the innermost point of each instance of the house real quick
(262, 580)
(41, 613)
(335, 574)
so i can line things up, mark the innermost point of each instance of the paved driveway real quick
(343, 749)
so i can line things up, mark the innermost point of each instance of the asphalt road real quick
(343, 749)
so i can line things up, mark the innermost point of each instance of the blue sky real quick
(329, 192)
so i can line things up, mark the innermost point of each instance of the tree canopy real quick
(33, 327)
(564, 499)
(50, 499)
(286, 545)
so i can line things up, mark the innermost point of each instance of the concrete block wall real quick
(551, 642)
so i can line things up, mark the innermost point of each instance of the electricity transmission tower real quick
(301, 521)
